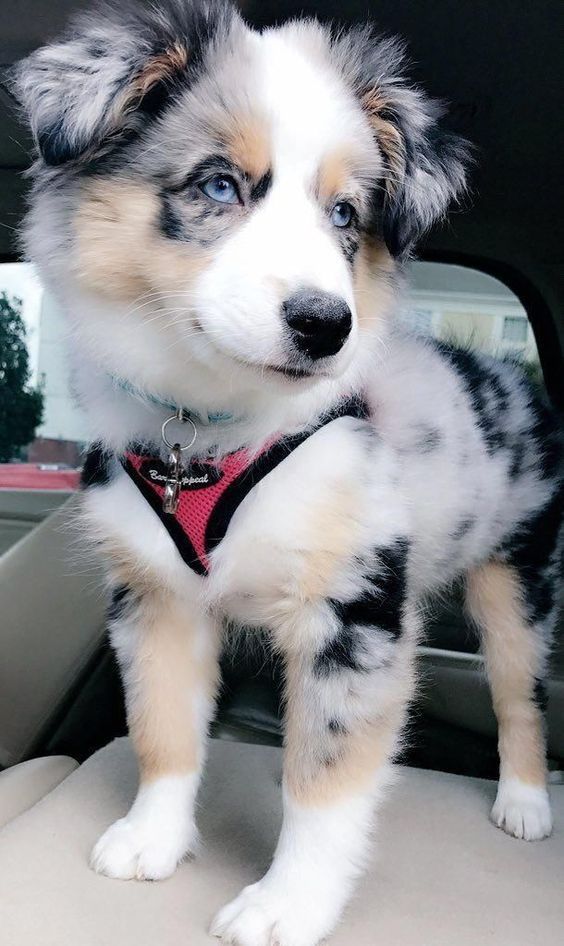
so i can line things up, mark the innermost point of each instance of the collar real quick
(209, 418)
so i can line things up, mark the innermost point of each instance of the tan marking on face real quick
(373, 283)
(513, 659)
(334, 175)
(389, 138)
(119, 250)
(172, 674)
(248, 145)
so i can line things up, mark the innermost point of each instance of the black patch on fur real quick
(190, 228)
(488, 396)
(340, 653)
(540, 695)
(464, 527)
(547, 432)
(352, 407)
(337, 728)
(121, 599)
(262, 187)
(531, 551)
(380, 607)
(55, 146)
(96, 470)
(438, 152)
(169, 221)
(350, 244)
(517, 455)
(156, 99)
(391, 586)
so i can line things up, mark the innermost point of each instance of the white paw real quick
(257, 917)
(522, 810)
(132, 850)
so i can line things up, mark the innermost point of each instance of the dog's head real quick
(225, 200)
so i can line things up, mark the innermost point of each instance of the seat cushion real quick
(443, 873)
(24, 784)
(53, 620)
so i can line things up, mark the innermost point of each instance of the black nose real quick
(320, 322)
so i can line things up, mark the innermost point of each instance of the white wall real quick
(62, 420)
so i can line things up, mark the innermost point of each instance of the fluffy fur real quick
(177, 295)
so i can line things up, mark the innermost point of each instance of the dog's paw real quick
(257, 917)
(522, 810)
(130, 849)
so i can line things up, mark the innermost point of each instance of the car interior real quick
(492, 275)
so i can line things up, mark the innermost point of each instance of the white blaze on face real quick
(287, 243)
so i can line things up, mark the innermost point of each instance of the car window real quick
(469, 308)
(40, 460)
(42, 433)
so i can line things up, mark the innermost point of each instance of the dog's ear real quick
(425, 167)
(113, 68)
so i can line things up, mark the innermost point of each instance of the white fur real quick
(320, 853)
(522, 810)
(154, 836)
(412, 477)
(286, 245)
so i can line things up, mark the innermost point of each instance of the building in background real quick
(468, 307)
(452, 303)
(61, 436)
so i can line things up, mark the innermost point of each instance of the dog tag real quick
(174, 472)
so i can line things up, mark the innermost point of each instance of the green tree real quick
(21, 407)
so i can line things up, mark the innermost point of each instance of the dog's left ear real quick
(114, 67)
(425, 167)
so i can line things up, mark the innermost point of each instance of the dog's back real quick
(481, 457)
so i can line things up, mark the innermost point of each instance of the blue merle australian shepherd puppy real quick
(224, 216)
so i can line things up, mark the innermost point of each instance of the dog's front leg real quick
(167, 651)
(348, 684)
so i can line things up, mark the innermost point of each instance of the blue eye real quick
(342, 214)
(222, 188)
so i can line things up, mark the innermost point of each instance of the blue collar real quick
(210, 417)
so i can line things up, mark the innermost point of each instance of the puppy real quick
(224, 216)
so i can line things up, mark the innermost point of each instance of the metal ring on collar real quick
(182, 418)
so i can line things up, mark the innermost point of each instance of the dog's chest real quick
(297, 535)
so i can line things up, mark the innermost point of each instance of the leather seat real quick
(23, 785)
(442, 875)
(60, 693)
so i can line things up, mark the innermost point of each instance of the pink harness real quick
(203, 486)
(211, 491)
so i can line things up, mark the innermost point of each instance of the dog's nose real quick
(320, 322)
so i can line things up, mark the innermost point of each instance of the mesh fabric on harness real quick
(212, 490)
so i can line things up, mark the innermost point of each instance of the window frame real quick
(539, 314)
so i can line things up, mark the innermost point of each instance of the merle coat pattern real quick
(224, 216)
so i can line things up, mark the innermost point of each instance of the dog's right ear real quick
(113, 68)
